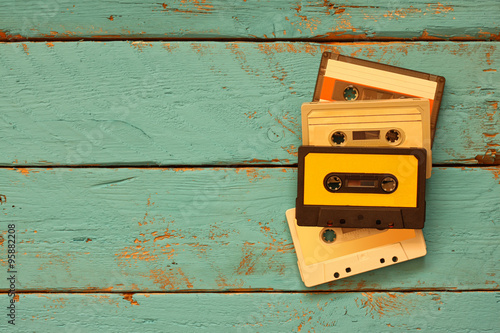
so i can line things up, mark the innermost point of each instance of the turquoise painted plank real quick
(132, 229)
(184, 103)
(261, 312)
(457, 19)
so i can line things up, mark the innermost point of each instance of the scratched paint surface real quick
(135, 229)
(183, 103)
(277, 312)
(358, 19)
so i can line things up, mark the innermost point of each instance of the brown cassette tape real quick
(342, 78)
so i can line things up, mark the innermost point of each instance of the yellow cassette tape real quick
(361, 187)
(398, 123)
(328, 254)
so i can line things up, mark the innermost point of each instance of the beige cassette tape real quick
(401, 123)
(328, 254)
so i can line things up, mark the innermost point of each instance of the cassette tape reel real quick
(361, 187)
(328, 254)
(343, 78)
(379, 123)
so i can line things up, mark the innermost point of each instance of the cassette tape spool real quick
(328, 254)
(378, 123)
(361, 187)
(343, 78)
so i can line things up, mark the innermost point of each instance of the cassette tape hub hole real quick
(328, 235)
(333, 183)
(393, 136)
(338, 138)
(351, 93)
(336, 275)
(389, 184)
(395, 259)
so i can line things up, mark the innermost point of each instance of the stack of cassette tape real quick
(365, 158)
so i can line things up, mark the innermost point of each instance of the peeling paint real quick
(489, 158)
(380, 305)
(24, 171)
(129, 297)
(170, 279)
(141, 45)
(194, 7)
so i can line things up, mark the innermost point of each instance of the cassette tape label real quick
(338, 90)
(365, 77)
(318, 166)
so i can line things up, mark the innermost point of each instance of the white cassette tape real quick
(328, 254)
(371, 123)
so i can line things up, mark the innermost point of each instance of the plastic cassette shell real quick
(402, 209)
(354, 251)
(372, 83)
(410, 117)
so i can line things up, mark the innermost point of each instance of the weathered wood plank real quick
(213, 103)
(221, 229)
(359, 19)
(262, 312)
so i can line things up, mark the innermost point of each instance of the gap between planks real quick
(253, 40)
(205, 166)
(250, 291)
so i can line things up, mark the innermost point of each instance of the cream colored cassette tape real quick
(329, 254)
(371, 123)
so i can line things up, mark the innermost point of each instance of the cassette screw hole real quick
(348, 269)
(382, 260)
(378, 222)
(333, 183)
(388, 184)
(338, 138)
(342, 221)
(395, 259)
(351, 93)
(393, 136)
(328, 236)
(336, 275)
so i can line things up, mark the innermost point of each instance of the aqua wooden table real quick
(148, 154)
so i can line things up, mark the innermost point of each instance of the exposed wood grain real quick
(213, 103)
(338, 312)
(347, 20)
(221, 229)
